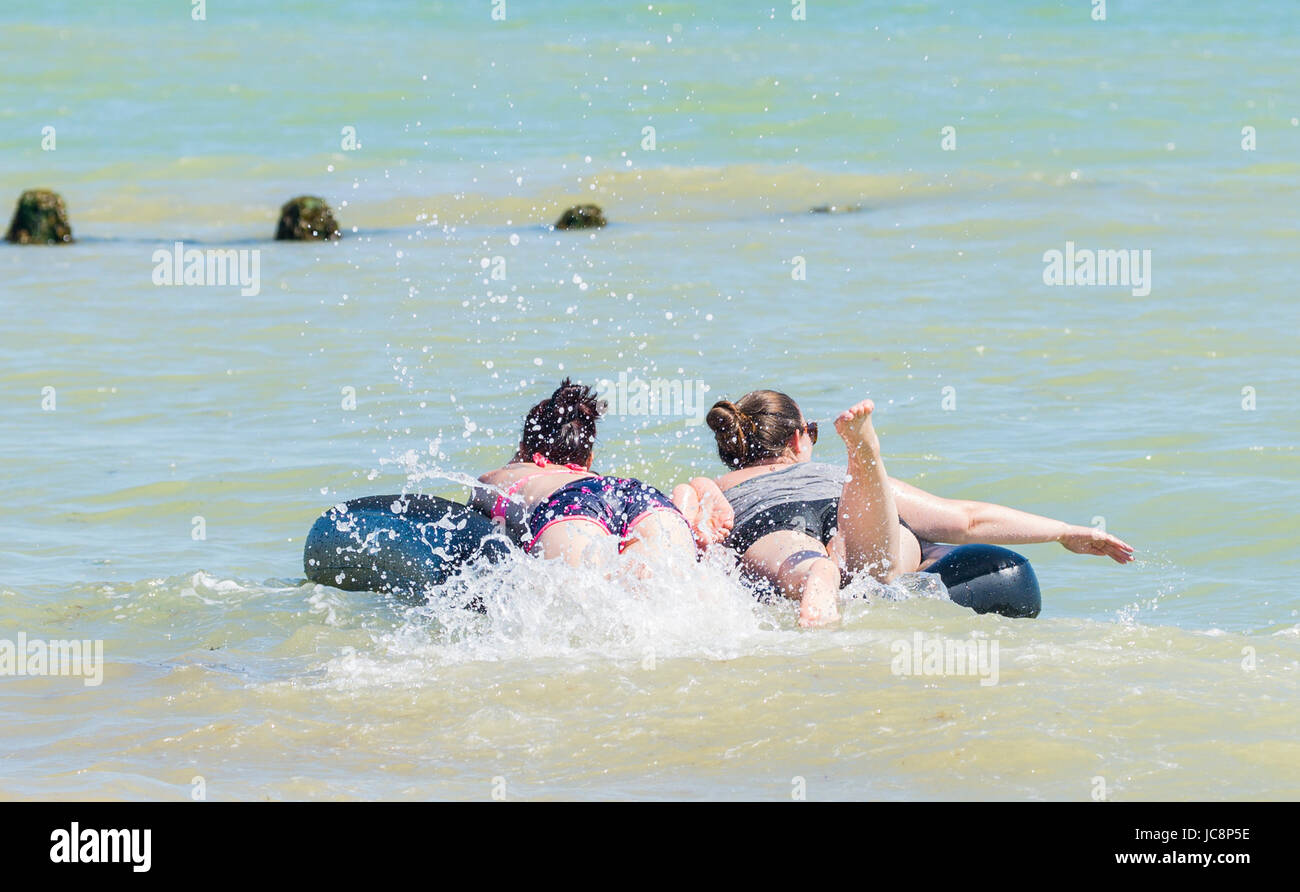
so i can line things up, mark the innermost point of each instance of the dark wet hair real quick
(563, 427)
(755, 427)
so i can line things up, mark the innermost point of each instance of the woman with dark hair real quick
(550, 501)
(808, 527)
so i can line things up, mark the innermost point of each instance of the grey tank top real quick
(807, 481)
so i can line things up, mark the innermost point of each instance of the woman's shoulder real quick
(495, 476)
(739, 476)
(507, 475)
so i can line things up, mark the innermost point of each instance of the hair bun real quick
(730, 428)
(563, 427)
(577, 398)
(759, 431)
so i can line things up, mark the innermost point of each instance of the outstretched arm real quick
(959, 521)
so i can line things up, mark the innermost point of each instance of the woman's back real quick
(527, 484)
(800, 482)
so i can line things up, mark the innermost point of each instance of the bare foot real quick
(716, 517)
(687, 501)
(706, 509)
(855, 428)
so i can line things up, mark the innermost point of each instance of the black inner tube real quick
(990, 579)
(400, 544)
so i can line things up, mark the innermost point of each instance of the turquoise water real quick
(1085, 403)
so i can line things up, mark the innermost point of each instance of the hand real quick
(1090, 540)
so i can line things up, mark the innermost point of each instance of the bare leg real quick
(800, 567)
(868, 518)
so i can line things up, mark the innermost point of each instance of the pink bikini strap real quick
(499, 507)
(542, 461)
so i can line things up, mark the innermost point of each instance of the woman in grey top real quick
(807, 527)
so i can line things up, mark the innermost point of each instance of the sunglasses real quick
(810, 428)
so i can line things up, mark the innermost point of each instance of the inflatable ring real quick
(399, 544)
(409, 544)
